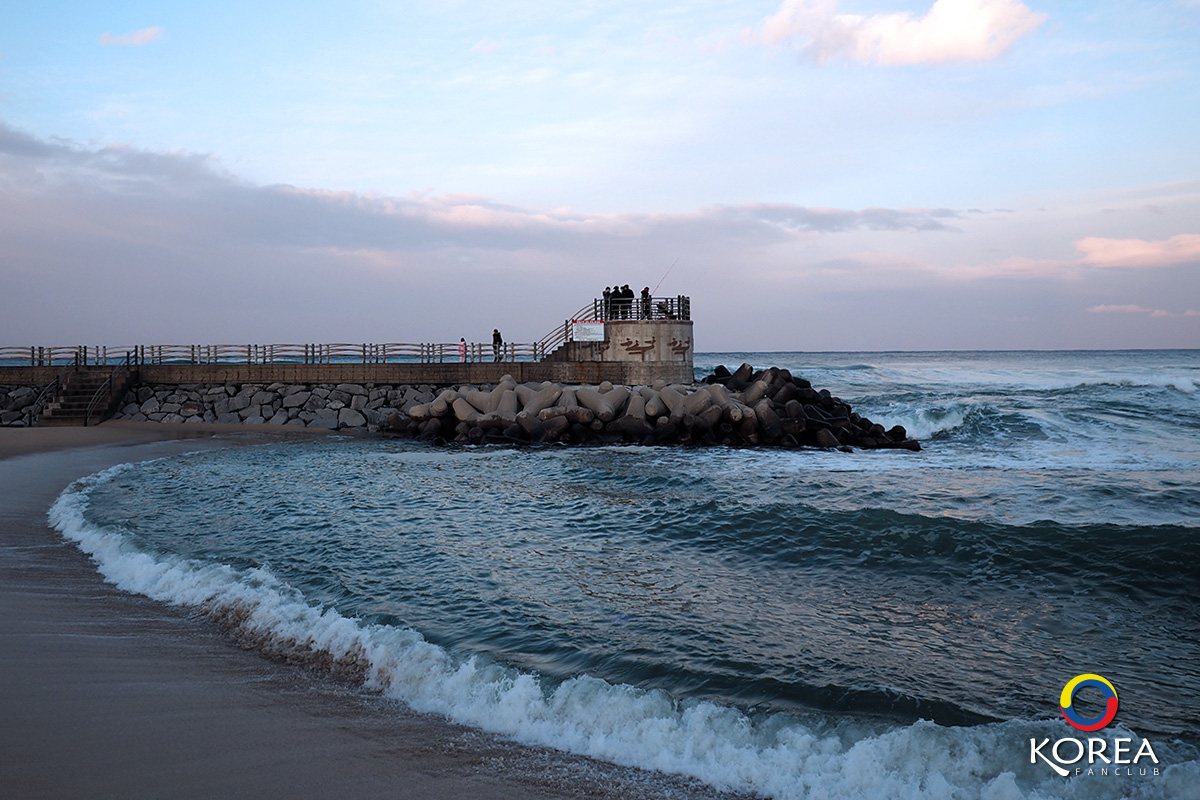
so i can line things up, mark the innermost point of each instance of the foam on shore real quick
(775, 755)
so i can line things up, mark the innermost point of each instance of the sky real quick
(815, 174)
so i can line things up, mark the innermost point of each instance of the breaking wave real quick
(780, 755)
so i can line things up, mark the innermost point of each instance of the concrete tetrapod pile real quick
(744, 407)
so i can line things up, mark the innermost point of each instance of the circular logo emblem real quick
(1068, 695)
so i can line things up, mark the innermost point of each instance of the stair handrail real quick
(48, 393)
(107, 386)
(562, 334)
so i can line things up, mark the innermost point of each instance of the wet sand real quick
(107, 694)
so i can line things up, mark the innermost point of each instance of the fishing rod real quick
(664, 277)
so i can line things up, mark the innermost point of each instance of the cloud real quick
(1120, 309)
(951, 31)
(1139, 253)
(143, 36)
(176, 236)
(486, 47)
(192, 253)
(1136, 309)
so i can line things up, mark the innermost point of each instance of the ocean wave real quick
(931, 420)
(917, 541)
(1178, 383)
(923, 423)
(773, 755)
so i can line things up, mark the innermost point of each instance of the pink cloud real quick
(143, 36)
(951, 31)
(486, 47)
(1120, 309)
(1158, 313)
(1139, 253)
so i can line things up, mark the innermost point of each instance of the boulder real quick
(349, 418)
(825, 438)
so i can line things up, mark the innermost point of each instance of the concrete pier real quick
(635, 344)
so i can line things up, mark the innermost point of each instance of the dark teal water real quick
(1048, 529)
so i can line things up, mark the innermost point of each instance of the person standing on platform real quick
(606, 309)
(646, 303)
(462, 350)
(497, 343)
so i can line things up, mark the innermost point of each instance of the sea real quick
(784, 623)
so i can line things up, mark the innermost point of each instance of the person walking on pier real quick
(497, 343)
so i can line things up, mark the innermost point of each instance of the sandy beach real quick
(106, 694)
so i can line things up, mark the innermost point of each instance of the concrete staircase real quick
(79, 387)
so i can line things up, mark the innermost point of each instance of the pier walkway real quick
(635, 343)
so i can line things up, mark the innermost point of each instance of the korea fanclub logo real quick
(1092, 756)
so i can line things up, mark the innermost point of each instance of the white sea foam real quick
(927, 421)
(777, 756)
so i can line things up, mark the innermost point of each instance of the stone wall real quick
(324, 405)
(14, 402)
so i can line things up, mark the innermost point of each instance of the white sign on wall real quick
(587, 330)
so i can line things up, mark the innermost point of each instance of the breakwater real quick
(745, 407)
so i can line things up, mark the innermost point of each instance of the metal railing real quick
(106, 390)
(326, 353)
(618, 310)
(643, 308)
(47, 395)
(561, 335)
(598, 310)
(40, 356)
